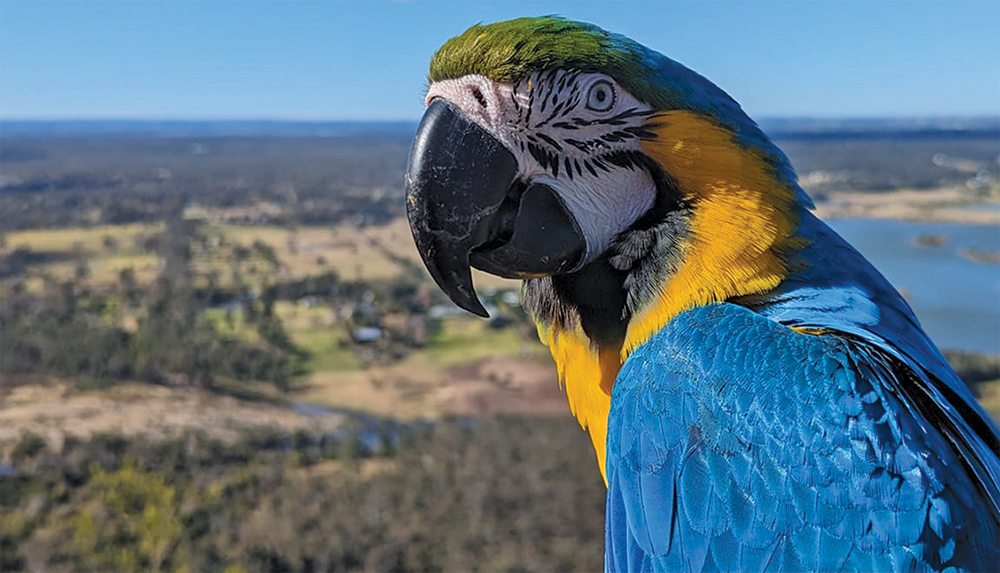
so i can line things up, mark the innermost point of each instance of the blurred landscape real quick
(219, 350)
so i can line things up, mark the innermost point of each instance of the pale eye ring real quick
(601, 96)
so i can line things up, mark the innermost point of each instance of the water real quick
(371, 431)
(956, 300)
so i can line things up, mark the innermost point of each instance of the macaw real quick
(758, 395)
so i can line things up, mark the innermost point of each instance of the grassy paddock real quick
(426, 381)
(462, 340)
(106, 250)
(90, 239)
(384, 252)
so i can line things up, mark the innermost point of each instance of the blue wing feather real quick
(718, 460)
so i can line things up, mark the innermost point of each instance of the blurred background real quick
(219, 350)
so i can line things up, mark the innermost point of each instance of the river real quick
(957, 300)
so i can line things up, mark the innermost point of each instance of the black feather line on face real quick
(619, 158)
(551, 116)
(574, 97)
(553, 160)
(550, 141)
(615, 120)
(536, 152)
(626, 159)
(641, 131)
(629, 114)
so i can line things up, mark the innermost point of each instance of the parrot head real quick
(595, 169)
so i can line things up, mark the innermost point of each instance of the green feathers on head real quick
(510, 51)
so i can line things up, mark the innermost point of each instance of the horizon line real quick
(939, 116)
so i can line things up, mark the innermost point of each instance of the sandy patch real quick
(419, 388)
(502, 385)
(54, 411)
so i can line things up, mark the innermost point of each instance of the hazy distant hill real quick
(199, 128)
(779, 128)
(80, 155)
(882, 128)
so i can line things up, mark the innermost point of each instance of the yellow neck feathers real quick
(742, 223)
(587, 374)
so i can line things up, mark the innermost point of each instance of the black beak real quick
(466, 206)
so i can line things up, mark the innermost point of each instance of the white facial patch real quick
(578, 133)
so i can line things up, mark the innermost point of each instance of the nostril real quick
(479, 96)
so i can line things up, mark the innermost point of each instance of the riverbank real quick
(943, 205)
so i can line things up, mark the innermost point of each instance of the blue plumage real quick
(736, 443)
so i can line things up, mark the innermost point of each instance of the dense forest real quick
(503, 494)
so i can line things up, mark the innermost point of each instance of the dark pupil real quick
(601, 95)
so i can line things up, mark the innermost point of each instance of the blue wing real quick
(833, 287)
(738, 444)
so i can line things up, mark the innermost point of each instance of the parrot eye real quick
(601, 96)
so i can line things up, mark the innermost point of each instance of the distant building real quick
(367, 334)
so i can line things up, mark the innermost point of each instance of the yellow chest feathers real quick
(742, 225)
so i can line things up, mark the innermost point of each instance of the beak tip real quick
(467, 299)
(481, 312)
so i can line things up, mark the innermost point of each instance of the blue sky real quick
(366, 60)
